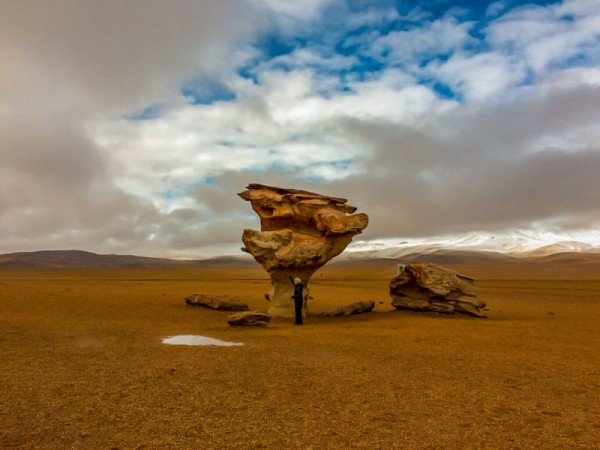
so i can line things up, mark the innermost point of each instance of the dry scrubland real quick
(83, 365)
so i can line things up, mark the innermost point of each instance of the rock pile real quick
(428, 287)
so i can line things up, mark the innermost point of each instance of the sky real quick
(129, 127)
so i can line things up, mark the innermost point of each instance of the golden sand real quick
(83, 365)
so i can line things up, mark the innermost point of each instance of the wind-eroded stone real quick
(222, 304)
(300, 232)
(428, 287)
(348, 310)
(249, 319)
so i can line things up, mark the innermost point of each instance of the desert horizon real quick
(86, 259)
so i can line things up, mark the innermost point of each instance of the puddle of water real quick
(190, 339)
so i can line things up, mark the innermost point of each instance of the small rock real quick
(221, 304)
(249, 318)
(550, 313)
(347, 310)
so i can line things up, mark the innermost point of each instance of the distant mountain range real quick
(81, 259)
(401, 255)
(516, 244)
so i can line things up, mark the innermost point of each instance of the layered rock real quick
(300, 232)
(429, 287)
(221, 303)
(348, 310)
(249, 319)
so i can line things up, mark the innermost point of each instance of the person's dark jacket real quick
(297, 291)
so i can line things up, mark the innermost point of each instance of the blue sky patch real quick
(206, 92)
(313, 177)
(444, 91)
(148, 113)
(342, 164)
(172, 194)
(273, 46)
(205, 181)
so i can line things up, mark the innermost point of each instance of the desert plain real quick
(83, 363)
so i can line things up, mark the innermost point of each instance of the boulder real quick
(348, 310)
(300, 232)
(219, 303)
(249, 318)
(429, 287)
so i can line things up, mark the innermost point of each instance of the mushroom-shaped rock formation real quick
(428, 287)
(300, 232)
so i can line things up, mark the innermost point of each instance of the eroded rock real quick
(300, 232)
(219, 303)
(249, 318)
(348, 310)
(429, 287)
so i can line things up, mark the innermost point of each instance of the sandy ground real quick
(83, 365)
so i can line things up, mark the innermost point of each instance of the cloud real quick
(129, 127)
(114, 54)
(417, 43)
(544, 37)
(65, 66)
(482, 76)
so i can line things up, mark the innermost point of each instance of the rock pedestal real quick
(429, 287)
(300, 232)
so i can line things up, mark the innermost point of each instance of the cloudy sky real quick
(129, 126)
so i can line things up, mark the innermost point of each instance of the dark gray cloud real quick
(65, 64)
(120, 55)
(479, 169)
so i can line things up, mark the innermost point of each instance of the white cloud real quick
(442, 36)
(543, 36)
(296, 9)
(482, 76)
(495, 8)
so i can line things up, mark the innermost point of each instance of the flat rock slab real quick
(249, 319)
(348, 310)
(219, 303)
(429, 287)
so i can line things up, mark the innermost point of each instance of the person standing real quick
(298, 298)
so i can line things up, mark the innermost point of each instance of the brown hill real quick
(82, 259)
(567, 258)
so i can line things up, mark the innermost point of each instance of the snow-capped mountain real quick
(514, 243)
